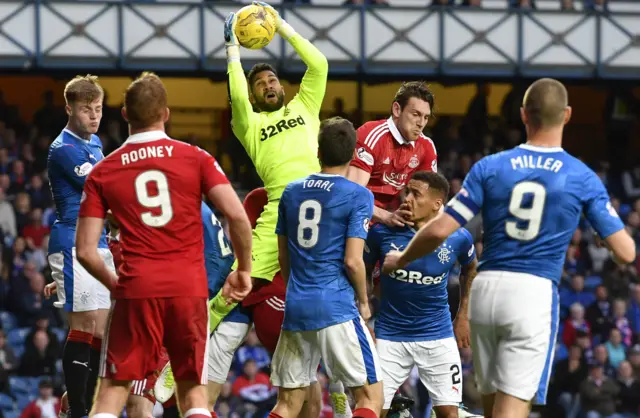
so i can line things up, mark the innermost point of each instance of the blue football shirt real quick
(318, 214)
(531, 200)
(218, 254)
(414, 303)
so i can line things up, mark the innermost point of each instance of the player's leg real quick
(396, 363)
(139, 405)
(293, 374)
(223, 343)
(75, 288)
(64, 406)
(312, 405)
(525, 351)
(186, 339)
(131, 351)
(350, 356)
(440, 371)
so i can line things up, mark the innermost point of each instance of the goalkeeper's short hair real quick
(257, 69)
(336, 142)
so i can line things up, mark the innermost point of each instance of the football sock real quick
(218, 310)
(274, 415)
(197, 413)
(104, 416)
(364, 413)
(336, 387)
(94, 365)
(75, 364)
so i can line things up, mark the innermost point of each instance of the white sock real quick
(336, 387)
(197, 411)
(104, 416)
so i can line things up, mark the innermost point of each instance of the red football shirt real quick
(391, 160)
(153, 185)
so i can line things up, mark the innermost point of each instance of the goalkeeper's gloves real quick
(230, 39)
(282, 27)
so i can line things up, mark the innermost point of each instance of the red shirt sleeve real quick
(429, 161)
(364, 156)
(211, 173)
(92, 203)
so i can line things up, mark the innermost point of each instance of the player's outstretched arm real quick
(314, 82)
(242, 114)
(622, 246)
(88, 236)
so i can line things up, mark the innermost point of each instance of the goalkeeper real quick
(280, 139)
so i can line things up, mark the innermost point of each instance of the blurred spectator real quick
(8, 362)
(253, 350)
(633, 314)
(253, 386)
(23, 208)
(32, 304)
(598, 314)
(616, 351)
(634, 359)
(601, 356)
(35, 232)
(45, 405)
(7, 216)
(567, 378)
(621, 322)
(630, 182)
(573, 324)
(227, 402)
(583, 340)
(5, 162)
(576, 293)
(43, 324)
(39, 194)
(18, 176)
(40, 358)
(598, 393)
(629, 390)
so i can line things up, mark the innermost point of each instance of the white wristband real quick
(286, 30)
(233, 53)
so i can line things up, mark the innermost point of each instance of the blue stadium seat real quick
(592, 282)
(6, 403)
(561, 353)
(18, 350)
(23, 401)
(18, 336)
(11, 414)
(8, 321)
(61, 334)
(20, 385)
(34, 382)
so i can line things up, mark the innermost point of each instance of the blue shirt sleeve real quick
(361, 214)
(372, 246)
(281, 226)
(467, 203)
(598, 209)
(467, 249)
(74, 165)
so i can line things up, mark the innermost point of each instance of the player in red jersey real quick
(389, 151)
(153, 187)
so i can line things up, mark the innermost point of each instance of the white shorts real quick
(347, 350)
(78, 291)
(514, 325)
(438, 363)
(223, 343)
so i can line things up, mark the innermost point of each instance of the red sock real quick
(96, 344)
(274, 415)
(80, 336)
(364, 413)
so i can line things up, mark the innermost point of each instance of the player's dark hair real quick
(336, 142)
(545, 102)
(145, 101)
(417, 89)
(436, 181)
(257, 69)
(83, 89)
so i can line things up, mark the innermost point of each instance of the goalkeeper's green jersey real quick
(283, 145)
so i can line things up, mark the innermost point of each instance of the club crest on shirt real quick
(414, 162)
(83, 170)
(364, 156)
(444, 253)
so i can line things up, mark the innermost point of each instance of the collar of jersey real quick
(541, 149)
(73, 134)
(146, 137)
(397, 135)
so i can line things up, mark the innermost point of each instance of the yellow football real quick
(255, 27)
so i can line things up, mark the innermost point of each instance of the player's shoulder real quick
(370, 132)
(462, 235)
(95, 140)
(427, 143)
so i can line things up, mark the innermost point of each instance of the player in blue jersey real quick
(414, 327)
(531, 198)
(323, 222)
(71, 157)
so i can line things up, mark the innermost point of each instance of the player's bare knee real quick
(446, 411)
(139, 407)
(100, 323)
(83, 321)
(313, 402)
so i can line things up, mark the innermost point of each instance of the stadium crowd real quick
(597, 363)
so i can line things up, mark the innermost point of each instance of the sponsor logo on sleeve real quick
(365, 156)
(434, 166)
(471, 250)
(365, 224)
(83, 170)
(612, 210)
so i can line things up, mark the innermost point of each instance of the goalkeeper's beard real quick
(264, 106)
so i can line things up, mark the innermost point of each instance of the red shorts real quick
(145, 387)
(267, 318)
(138, 329)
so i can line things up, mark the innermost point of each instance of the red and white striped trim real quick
(433, 145)
(376, 133)
(276, 303)
(204, 377)
(137, 387)
(102, 371)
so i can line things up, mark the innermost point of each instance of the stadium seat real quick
(23, 400)
(34, 382)
(61, 334)
(20, 385)
(8, 321)
(18, 350)
(592, 282)
(11, 414)
(6, 403)
(561, 353)
(18, 336)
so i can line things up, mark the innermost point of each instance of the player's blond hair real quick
(145, 100)
(545, 102)
(83, 89)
